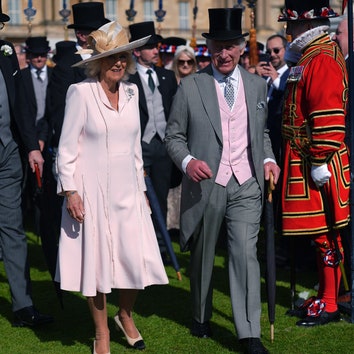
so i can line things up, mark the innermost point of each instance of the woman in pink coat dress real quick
(107, 238)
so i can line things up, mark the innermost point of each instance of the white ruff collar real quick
(301, 42)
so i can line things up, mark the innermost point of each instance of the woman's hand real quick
(75, 206)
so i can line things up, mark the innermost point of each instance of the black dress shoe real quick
(253, 346)
(30, 317)
(322, 319)
(201, 330)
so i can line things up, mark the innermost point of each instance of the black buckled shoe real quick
(30, 317)
(201, 330)
(301, 310)
(253, 346)
(322, 319)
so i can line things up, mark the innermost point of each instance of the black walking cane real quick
(330, 224)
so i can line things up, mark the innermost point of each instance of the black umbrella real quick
(270, 254)
(157, 213)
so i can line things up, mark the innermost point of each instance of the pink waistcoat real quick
(236, 154)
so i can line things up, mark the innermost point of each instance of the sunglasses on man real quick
(275, 50)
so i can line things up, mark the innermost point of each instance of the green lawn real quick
(162, 314)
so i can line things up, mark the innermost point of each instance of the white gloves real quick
(320, 174)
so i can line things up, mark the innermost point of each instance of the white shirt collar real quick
(282, 70)
(43, 71)
(220, 77)
(142, 69)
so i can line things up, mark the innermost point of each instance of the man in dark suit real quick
(216, 135)
(15, 124)
(157, 87)
(35, 80)
(276, 72)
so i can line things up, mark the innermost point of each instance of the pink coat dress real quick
(100, 157)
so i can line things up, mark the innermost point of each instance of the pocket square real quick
(261, 105)
(14, 73)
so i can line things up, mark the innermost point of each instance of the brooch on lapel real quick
(130, 93)
(6, 50)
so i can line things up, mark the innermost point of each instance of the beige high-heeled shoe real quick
(94, 348)
(136, 343)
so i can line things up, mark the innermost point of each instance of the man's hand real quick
(271, 167)
(261, 68)
(198, 170)
(266, 70)
(320, 174)
(35, 157)
(269, 71)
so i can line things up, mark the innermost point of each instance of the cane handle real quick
(271, 186)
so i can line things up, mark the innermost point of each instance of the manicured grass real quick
(162, 314)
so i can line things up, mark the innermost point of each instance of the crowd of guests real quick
(83, 127)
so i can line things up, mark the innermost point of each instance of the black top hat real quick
(296, 10)
(143, 29)
(64, 49)
(88, 16)
(170, 44)
(3, 17)
(174, 41)
(37, 45)
(225, 24)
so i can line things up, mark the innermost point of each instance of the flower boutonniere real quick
(130, 93)
(6, 50)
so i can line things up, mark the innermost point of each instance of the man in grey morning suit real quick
(157, 87)
(13, 242)
(216, 134)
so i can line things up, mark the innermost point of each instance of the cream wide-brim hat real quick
(108, 40)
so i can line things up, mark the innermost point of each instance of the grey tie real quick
(151, 80)
(229, 93)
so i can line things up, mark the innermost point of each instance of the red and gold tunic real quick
(313, 131)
